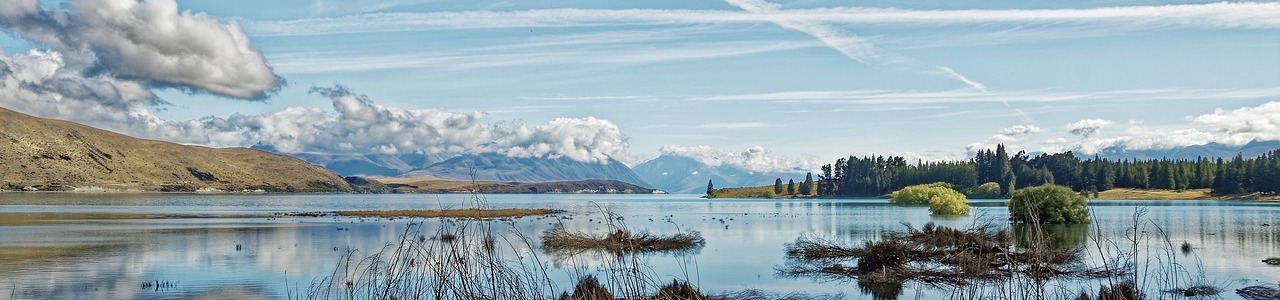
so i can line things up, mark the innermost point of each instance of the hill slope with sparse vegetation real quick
(51, 155)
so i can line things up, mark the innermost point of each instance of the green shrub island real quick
(1048, 204)
(941, 198)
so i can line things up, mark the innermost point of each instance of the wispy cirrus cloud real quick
(1213, 15)
(467, 59)
(736, 125)
(888, 97)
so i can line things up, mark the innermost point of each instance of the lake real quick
(117, 246)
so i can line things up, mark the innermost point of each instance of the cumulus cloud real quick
(1008, 136)
(1088, 127)
(104, 58)
(1245, 124)
(358, 125)
(150, 42)
(1018, 130)
(754, 159)
(1230, 127)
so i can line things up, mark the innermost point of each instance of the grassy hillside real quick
(432, 185)
(52, 155)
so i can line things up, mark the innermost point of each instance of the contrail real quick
(983, 88)
(857, 48)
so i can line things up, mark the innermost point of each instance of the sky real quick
(798, 81)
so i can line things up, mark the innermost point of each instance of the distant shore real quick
(760, 192)
(376, 185)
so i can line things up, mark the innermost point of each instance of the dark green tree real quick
(711, 188)
(1048, 204)
(806, 188)
(777, 186)
(791, 186)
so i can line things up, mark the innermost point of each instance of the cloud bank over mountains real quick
(753, 159)
(1233, 127)
(101, 60)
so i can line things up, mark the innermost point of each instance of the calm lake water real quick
(43, 255)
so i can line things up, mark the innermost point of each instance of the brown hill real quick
(44, 154)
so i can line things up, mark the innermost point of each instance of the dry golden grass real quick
(1150, 194)
(33, 219)
(620, 241)
(55, 155)
(472, 213)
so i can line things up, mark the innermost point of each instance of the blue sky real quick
(816, 79)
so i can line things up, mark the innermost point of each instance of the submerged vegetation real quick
(934, 255)
(984, 263)
(619, 241)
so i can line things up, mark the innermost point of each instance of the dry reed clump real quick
(470, 213)
(679, 291)
(588, 288)
(620, 241)
(1120, 291)
(931, 255)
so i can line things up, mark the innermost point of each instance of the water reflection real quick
(1055, 236)
(745, 239)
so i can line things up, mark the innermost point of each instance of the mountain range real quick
(683, 175)
(459, 167)
(1211, 150)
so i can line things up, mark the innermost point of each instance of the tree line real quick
(881, 175)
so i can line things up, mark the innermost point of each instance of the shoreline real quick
(1112, 194)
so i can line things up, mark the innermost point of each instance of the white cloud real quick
(903, 98)
(736, 125)
(468, 59)
(1088, 127)
(754, 159)
(1231, 127)
(1018, 130)
(150, 42)
(1008, 136)
(106, 56)
(1210, 15)
(1244, 124)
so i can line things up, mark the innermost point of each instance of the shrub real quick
(950, 203)
(1048, 204)
(990, 190)
(769, 195)
(919, 194)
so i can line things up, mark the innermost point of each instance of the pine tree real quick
(791, 186)
(806, 188)
(777, 186)
(711, 188)
(1007, 177)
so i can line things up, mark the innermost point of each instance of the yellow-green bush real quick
(950, 203)
(941, 198)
